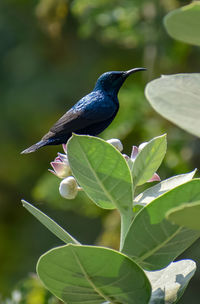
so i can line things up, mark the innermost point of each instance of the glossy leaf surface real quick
(153, 241)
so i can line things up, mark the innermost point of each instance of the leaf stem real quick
(126, 219)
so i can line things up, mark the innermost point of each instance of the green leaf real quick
(101, 171)
(148, 160)
(169, 283)
(177, 98)
(50, 224)
(150, 194)
(152, 241)
(183, 24)
(186, 215)
(87, 274)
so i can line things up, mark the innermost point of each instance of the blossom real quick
(136, 150)
(60, 165)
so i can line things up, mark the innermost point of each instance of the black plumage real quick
(91, 114)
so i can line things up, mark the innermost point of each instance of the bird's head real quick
(112, 81)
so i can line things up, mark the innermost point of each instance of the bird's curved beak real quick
(127, 73)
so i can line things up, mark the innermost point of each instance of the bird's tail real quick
(35, 147)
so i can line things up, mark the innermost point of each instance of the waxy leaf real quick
(183, 23)
(177, 98)
(187, 215)
(88, 274)
(169, 283)
(101, 171)
(153, 192)
(148, 160)
(152, 241)
(50, 224)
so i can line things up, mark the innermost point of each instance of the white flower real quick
(68, 188)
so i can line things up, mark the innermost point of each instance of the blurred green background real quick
(51, 53)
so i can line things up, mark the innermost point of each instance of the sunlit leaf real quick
(101, 171)
(177, 98)
(169, 283)
(88, 274)
(152, 241)
(153, 192)
(187, 215)
(183, 23)
(50, 224)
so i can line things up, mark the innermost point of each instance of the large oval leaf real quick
(86, 274)
(184, 23)
(153, 241)
(177, 98)
(101, 171)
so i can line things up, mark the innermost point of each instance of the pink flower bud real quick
(134, 153)
(155, 178)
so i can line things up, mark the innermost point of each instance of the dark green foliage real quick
(46, 48)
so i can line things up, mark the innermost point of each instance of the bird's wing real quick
(89, 109)
(70, 121)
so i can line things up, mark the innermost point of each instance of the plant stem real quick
(126, 219)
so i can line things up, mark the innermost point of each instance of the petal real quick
(63, 157)
(61, 169)
(64, 146)
(58, 159)
(155, 178)
(52, 171)
(134, 152)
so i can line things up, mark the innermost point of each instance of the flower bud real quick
(116, 143)
(68, 188)
(155, 178)
(134, 152)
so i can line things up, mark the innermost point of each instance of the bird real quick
(91, 115)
